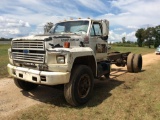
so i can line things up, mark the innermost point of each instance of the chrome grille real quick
(29, 44)
(35, 58)
(35, 51)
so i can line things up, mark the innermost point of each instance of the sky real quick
(27, 17)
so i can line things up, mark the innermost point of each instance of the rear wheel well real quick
(86, 60)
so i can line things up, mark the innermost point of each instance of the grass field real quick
(128, 97)
(137, 50)
(4, 55)
(4, 59)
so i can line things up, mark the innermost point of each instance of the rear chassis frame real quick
(117, 58)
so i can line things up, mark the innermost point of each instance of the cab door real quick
(97, 42)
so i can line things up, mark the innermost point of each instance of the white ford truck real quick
(72, 53)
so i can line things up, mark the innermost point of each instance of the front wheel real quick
(79, 89)
(24, 85)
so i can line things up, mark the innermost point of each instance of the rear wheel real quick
(137, 63)
(79, 89)
(24, 85)
(130, 62)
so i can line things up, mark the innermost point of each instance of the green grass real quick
(4, 60)
(137, 50)
(132, 96)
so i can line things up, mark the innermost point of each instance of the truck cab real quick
(90, 33)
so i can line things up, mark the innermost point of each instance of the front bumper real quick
(38, 77)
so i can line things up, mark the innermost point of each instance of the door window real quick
(96, 30)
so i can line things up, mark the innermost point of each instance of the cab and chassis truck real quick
(73, 53)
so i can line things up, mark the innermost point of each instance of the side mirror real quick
(105, 29)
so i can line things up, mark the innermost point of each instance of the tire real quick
(79, 89)
(24, 85)
(137, 63)
(130, 62)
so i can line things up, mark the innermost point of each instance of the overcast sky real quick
(27, 17)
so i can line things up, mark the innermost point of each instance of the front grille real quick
(35, 58)
(28, 51)
(29, 44)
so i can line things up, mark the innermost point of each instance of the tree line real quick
(125, 43)
(5, 39)
(148, 37)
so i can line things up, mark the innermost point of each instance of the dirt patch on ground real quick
(13, 99)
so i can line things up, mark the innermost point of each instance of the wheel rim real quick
(84, 86)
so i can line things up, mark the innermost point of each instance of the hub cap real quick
(84, 86)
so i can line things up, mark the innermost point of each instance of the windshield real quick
(80, 27)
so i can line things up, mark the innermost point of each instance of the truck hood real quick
(47, 36)
(33, 37)
(54, 40)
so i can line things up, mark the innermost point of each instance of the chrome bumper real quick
(38, 77)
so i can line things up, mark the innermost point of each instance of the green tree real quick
(149, 34)
(140, 36)
(123, 39)
(157, 36)
(5, 39)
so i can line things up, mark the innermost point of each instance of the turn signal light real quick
(66, 44)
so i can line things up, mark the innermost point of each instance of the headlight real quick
(60, 59)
